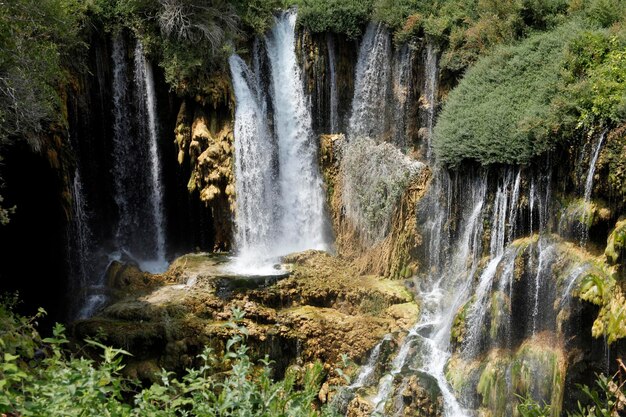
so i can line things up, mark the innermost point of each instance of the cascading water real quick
(88, 287)
(595, 153)
(430, 91)
(302, 224)
(449, 287)
(479, 308)
(372, 84)
(144, 81)
(136, 169)
(334, 94)
(122, 145)
(592, 166)
(290, 217)
(402, 68)
(256, 197)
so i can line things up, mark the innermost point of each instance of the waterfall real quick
(280, 201)
(514, 205)
(448, 289)
(402, 68)
(592, 167)
(371, 88)
(570, 282)
(122, 145)
(595, 153)
(136, 167)
(300, 185)
(478, 310)
(82, 262)
(256, 200)
(82, 231)
(506, 288)
(334, 94)
(367, 370)
(499, 217)
(430, 91)
(144, 81)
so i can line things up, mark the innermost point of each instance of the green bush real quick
(501, 112)
(340, 16)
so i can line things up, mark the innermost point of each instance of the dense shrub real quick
(501, 111)
(521, 100)
(339, 16)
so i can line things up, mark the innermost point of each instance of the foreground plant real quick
(40, 377)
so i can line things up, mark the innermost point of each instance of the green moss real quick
(616, 244)
(460, 374)
(492, 386)
(459, 325)
(537, 371)
(500, 313)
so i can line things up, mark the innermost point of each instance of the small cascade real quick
(81, 248)
(144, 81)
(482, 293)
(82, 231)
(499, 217)
(122, 145)
(592, 166)
(571, 281)
(136, 164)
(505, 288)
(368, 369)
(402, 68)
(372, 84)
(449, 288)
(514, 206)
(547, 255)
(364, 378)
(430, 91)
(280, 202)
(595, 153)
(540, 195)
(334, 93)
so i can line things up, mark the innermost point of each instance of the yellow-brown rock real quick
(322, 310)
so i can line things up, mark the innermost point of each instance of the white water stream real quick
(280, 205)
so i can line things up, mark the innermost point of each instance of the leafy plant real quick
(60, 383)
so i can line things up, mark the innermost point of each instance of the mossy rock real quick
(616, 244)
(538, 370)
(459, 325)
(492, 384)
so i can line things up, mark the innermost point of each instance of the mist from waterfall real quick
(290, 216)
